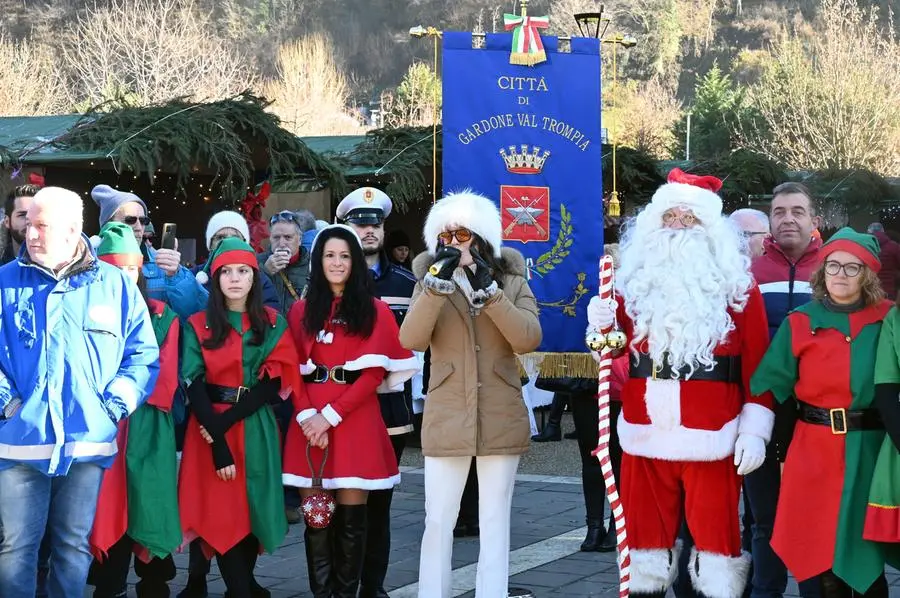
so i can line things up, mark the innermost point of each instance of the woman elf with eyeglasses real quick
(824, 355)
(349, 350)
(237, 361)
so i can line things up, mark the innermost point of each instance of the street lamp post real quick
(589, 24)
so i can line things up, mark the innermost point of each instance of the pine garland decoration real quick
(403, 156)
(230, 139)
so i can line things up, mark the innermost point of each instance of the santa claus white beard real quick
(678, 286)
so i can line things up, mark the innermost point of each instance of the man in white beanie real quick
(167, 280)
(696, 328)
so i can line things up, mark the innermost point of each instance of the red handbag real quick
(318, 508)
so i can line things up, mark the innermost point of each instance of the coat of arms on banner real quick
(525, 213)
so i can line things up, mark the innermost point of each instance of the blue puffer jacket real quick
(181, 291)
(79, 353)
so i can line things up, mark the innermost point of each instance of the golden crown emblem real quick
(523, 162)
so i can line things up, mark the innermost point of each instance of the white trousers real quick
(445, 478)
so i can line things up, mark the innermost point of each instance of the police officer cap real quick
(366, 205)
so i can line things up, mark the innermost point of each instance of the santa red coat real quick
(678, 439)
(699, 420)
(360, 454)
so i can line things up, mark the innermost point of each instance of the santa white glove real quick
(749, 453)
(601, 313)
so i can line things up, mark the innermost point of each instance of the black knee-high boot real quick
(319, 557)
(552, 430)
(155, 577)
(349, 546)
(833, 586)
(234, 568)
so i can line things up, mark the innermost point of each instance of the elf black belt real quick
(841, 420)
(336, 374)
(225, 394)
(726, 369)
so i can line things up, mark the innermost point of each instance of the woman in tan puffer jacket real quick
(473, 307)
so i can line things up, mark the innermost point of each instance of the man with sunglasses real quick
(286, 262)
(365, 211)
(167, 280)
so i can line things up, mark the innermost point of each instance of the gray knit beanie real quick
(109, 200)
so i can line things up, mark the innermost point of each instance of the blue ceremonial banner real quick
(529, 138)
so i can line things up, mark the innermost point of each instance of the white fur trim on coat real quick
(466, 209)
(678, 443)
(717, 575)
(398, 370)
(289, 479)
(706, 205)
(307, 368)
(654, 570)
(757, 420)
(305, 415)
(331, 415)
(663, 401)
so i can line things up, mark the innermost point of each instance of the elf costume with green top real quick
(138, 501)
(824, 355)
(883, 514)
(231, 388)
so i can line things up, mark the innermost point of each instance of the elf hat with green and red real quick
(231, 250)
(118, 246)
(860, 245)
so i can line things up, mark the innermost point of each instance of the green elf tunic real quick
(139, 494)
(826, 359)
(883, 515)
(222, 513)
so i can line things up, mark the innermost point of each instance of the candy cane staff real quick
(603, 344)
(695, 327)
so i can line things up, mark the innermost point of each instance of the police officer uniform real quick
(394, 285)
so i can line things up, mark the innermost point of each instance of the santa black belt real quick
(225, 394)
(726, 369)
(841, 420)
(336, 374)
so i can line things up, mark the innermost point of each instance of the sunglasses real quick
(132, 220)
(461, 234)
(283, 216)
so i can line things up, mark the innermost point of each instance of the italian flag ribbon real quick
(527, 47)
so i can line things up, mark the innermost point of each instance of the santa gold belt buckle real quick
(653, 369)
(839, 423)
(338, 375)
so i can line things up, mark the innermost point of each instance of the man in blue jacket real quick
(79, 356)
(167, 280)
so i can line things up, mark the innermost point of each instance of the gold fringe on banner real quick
(528, 59)
(560, 365)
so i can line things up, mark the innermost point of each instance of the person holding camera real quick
(286, 262)
(473, 307)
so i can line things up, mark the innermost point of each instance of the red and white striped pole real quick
(602, 451)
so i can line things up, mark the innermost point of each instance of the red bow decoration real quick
(252, 207)
(35, 179)
(710, 183)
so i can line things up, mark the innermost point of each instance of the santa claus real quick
(689, 428)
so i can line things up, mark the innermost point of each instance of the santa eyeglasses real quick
(687, 219)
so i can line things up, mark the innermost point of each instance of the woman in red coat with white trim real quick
(349, 348)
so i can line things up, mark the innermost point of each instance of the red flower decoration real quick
(252, 207)
(35, 179)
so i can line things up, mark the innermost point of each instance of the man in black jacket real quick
(365, 211)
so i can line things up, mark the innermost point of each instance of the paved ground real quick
(547, 529)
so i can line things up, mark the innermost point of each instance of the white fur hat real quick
(466, 209)
(696, 193)
(226, 219)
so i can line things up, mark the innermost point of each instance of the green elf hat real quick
(860, 245)
(231, 250)
(117, 245)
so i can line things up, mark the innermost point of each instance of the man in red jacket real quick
(689, 429)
